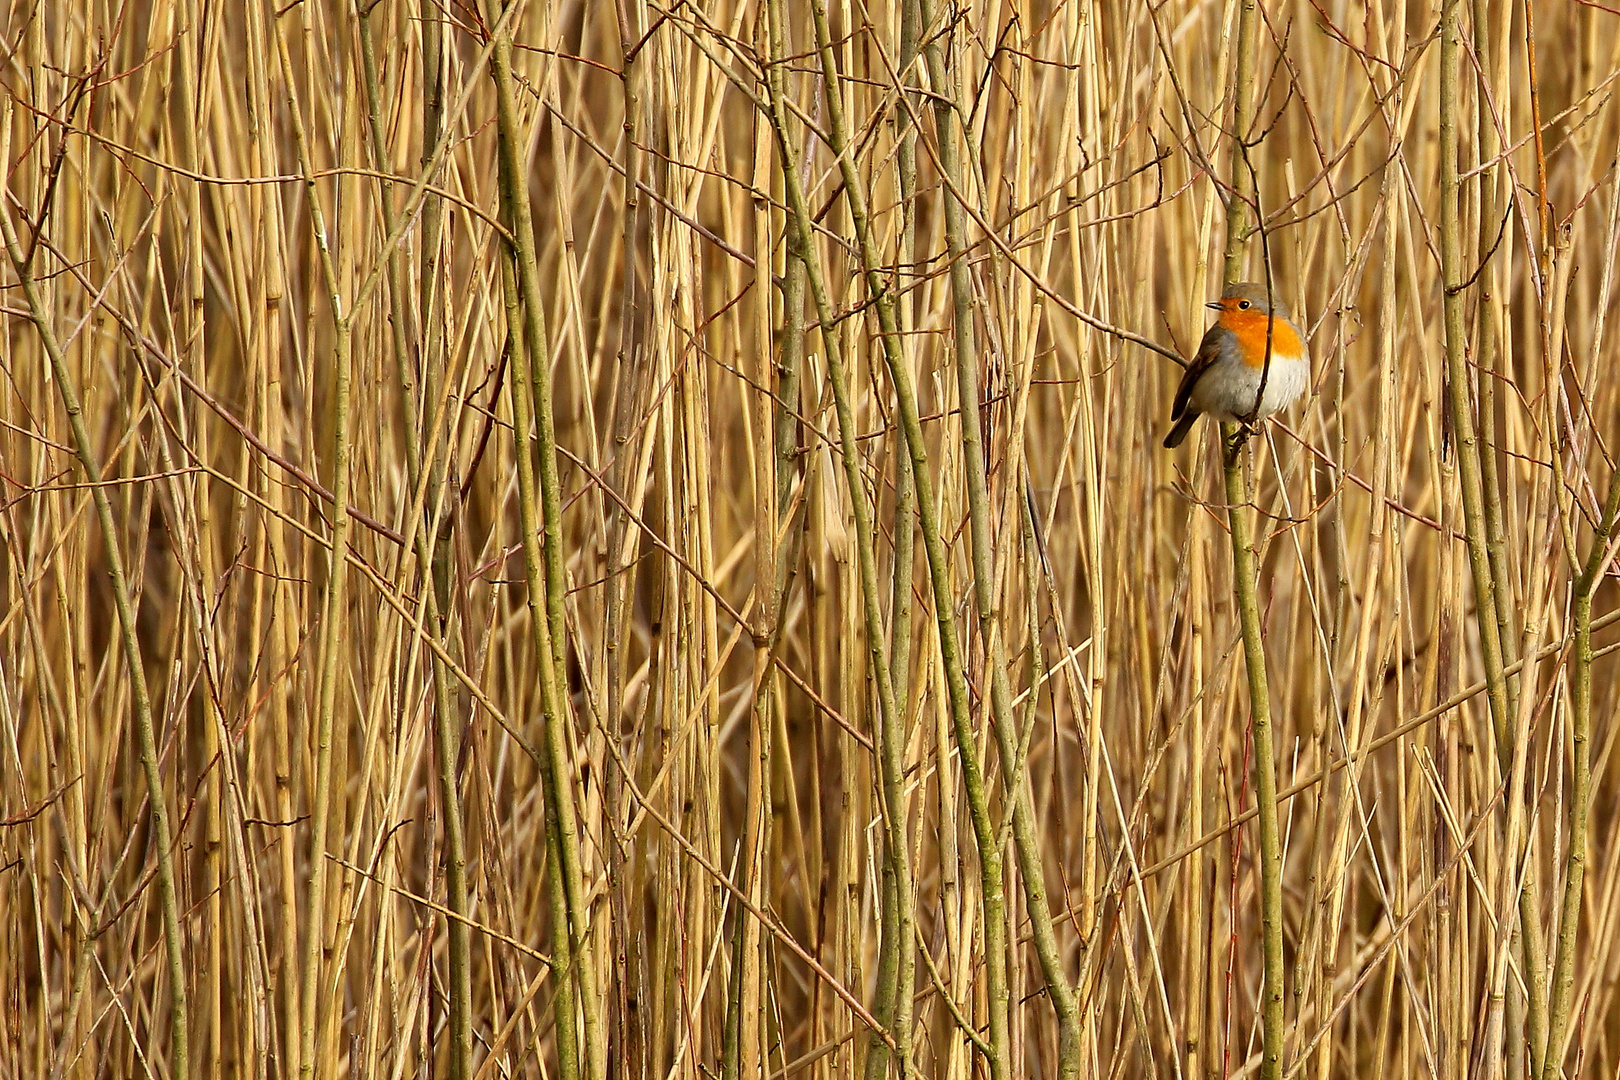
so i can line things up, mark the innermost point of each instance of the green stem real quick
(1064, 1000)
(544, 568)
(891, 729)
(129, 640)
(894, 969)
(1469, 473)
(1580, 688)
(630, 374)
(1245, 585)
(990, 862)
(562, 946)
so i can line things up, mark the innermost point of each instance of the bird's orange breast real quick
(1250, 330)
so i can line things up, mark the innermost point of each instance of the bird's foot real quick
(1245, 431)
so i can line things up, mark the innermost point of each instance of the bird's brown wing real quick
(1209, 351)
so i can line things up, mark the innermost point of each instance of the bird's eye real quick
(1244, 304)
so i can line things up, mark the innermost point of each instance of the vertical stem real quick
(531, 379)
(1490, 347)
(562, 942)
(1245, 585)
(628, 1044)
(283, 704)
(1059, 989)
(891, 728)
(774, 452)
(129, 641)
(1474, 497)
(189, 59)
(190, 66)
(1580, 689)
(905, 490)
(897, 977)
(985, 833)
(428, 543)
(333, 610)
(1457, 383)
(334, 606)
(1241, 192)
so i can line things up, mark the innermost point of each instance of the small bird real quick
(1224, 378)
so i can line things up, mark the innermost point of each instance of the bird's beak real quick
(1216, 305)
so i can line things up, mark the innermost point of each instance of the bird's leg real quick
(1242, 435)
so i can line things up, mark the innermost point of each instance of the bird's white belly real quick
(1227, 391)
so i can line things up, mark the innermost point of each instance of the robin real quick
(1224, 378)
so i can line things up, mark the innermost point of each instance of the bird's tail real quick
(1179, 432)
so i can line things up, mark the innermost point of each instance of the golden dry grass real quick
(719, 713)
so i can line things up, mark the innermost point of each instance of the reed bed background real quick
(869, 697)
